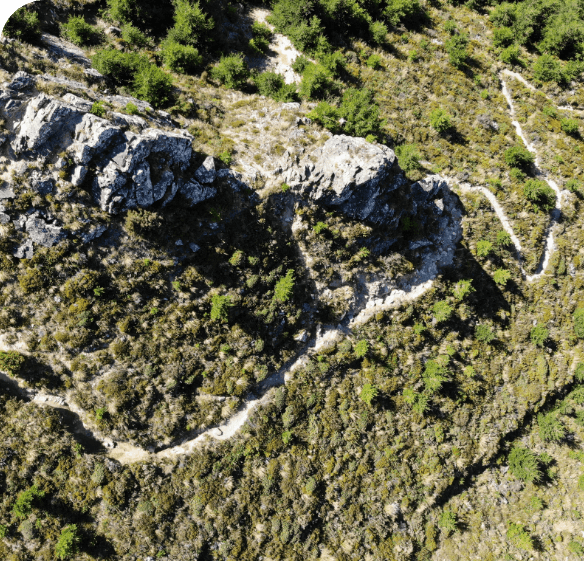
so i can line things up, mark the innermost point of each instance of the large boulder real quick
(361, 179)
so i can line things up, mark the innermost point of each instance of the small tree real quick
(23, 25)
(232, 71)
(183, 59)
(440, 120)
(378, 32)
(442, 311)
(519, 157)
(524, 465)
(547, 68)
(68, 542)
(462, 289)
(191, 24)
(517, 535)
(540, 193)
(133, 36)
(408, 157)
(484, 333)
(550, 428)
(579, 322)
(11, 362)
(368, 393)
(220, 307)
(456, 47)
(316, 82)
(361, 348)
(23, 505)
(510, 55)
(153, 85)
(570, 126)
(448, 521)
(539, 335)
(501, 277)
(284, 287)
(484, 247)
(78, 31)
(503, 239)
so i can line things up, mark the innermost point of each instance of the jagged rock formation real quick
(364, 181)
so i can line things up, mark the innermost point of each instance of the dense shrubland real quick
(449, 428)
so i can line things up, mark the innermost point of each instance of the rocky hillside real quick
(291, 281)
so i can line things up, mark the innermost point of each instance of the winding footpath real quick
(374, 299)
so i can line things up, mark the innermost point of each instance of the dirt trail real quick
(395, 296)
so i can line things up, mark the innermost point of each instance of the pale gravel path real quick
(418, 284)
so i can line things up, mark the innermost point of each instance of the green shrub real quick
(442, 311)
(403, 11)
(120, 67)
(519, 157)
(540, 193)
(191, 24)
(447, 521)
(378, 32)
(434, 375)
(300, 64)
(231, 71)
(579, 372)
(539, 335)
(361, 348)
(272, 85)
(440, 120)
(326, 115)
(456, 47)
(23, 504)
(220, 307)
(524, 465)
(501, 277)
(259, 45)
(547, 69)
(23, 25)
(579, 322)
(284, 287)
(132, 109)
(134, 36)
(261, 30)
(550, 428)
(374, 61)
(78, 31)
(462, 289)
(408, 157)
(484, 247)
(11, 362)
(360, 112)
(503, 14)
(503, 37)
(153, 85)
(517, 535)
(576, 548)
(32, 281)
(569, 126)
(68, 542)
(484, 333)
(142, 223)
(98, 109)
(184, 59)
(368, 393)
(450, 27)
(510, 55)
(503, 238)
(316, 82)
(320, 227)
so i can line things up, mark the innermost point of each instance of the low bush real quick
(378, 32)
(579, 322)
(456, 47)
(524, 465)
(120, 67)
(548, 69)
(519, 157)
(440, 120)
(503, 37)
(316, 82)
(23, 25)
(408, 157)
(134, 37)
(11, 362)
(570, 126)
(231, 71)
(540, 193)
(78, 31)
(184, 59)
(153, 85)
(510, 55)
(272, 85)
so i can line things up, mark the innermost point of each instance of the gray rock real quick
(143, 185)
(4, 218)
(206, 173)
(159, 189)
(59, 48)
(93, 234)
(94, 75)
(128, 120)
(7, 193)
(21, 81)
(359, 178)
(42, 185)
(194, 247)
(78, 176)
(24, 251)
(78, 102)
(42, 233)
(113, 31)
(93, 135)
(195, 193)
(233, 178)
(427, 189)
(46, 124)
